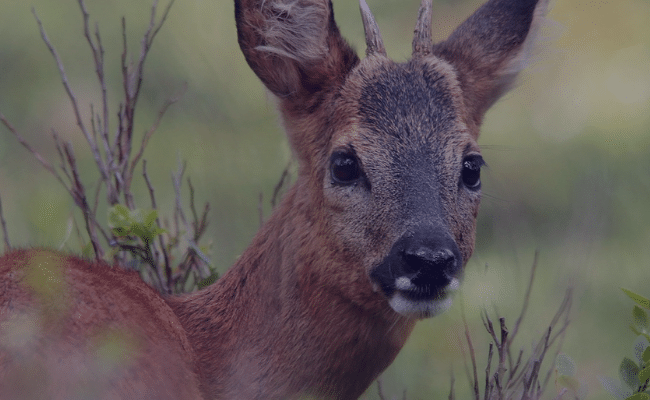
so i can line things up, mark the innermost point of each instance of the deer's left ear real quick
(490, 48)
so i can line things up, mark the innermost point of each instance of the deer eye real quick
(471, 173)
(344, 168)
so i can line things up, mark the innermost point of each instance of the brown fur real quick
(300, 313)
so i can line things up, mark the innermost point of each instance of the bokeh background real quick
(568, 155)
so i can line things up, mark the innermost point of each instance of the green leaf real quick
(639, 396)
(640, 300)
(646, 355)
(629, 373)
(644, 375)
(150, 218)
(119, 217)
(640, 318)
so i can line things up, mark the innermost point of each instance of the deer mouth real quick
(413, 298)
(420, 274)
(421, 301)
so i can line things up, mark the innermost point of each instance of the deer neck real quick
(279, 325)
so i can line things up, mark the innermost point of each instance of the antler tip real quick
(374, 42)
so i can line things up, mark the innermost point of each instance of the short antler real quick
(374, 42)
(422, 36)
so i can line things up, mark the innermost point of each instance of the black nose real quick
(429, 265)
(421, 264)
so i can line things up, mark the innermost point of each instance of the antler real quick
(422, 35)
(374, 42)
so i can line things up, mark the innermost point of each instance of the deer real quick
(373, 236)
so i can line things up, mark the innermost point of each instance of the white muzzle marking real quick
(421, 308)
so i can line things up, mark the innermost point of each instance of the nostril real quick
(425, 257)
(430, 266)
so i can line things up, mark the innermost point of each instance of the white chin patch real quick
(421, 308)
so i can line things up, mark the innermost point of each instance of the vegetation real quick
(131, 235)
(634, 373)
(568, 154)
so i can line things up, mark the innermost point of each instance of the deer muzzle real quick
(421, 272)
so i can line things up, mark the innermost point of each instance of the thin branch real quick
(260, 208)
(160, 238)
(145, 140)
(58, 144)
(199, 224)
(452, 394)
(79, 197)
(565, 308)
(486, 394)
(73, 98)
(35, 153)
(133, 79)
(474, 381)
(524, 307)
(176, 181)
(98, 58)
(3, 224)
(280, 185)
(162, 20)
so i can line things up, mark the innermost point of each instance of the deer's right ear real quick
(490, 48)
(294, 47)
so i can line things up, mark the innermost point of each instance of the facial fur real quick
(409, 139)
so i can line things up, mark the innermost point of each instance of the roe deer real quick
(373, 235)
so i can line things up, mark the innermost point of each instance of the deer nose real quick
(434, 266)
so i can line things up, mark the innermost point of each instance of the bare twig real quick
(161, 242)
(260, 208)
(281, 183)
(98, 58)
(3, 224)
(79, 197)
(132, 77)
(472, 354)
(452, 394)
(488, 386)
(523, 377)
(199, 224)
(35, 153)
(73, 99)
(565, 309)
(145, 140)
(524, 307)
(176, 181)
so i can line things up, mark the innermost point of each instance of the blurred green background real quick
(568, 153)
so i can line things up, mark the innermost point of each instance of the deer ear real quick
(294, 47)
(490, 48)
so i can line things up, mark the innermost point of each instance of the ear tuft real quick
(285, 30)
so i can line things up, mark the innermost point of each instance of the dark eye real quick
(344, 168)
(471, 173)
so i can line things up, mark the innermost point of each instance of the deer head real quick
(388, 154)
